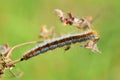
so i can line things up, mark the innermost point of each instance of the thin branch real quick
(13, 62)
(19, 45)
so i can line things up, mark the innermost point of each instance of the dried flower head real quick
(80, 23)
(59, 12)
(45, 33)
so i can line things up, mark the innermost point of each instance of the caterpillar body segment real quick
(60, 42)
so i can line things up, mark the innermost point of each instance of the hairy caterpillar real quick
(59, 42)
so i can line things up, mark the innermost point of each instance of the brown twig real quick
(19, 45)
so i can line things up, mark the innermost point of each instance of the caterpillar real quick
(59, 42)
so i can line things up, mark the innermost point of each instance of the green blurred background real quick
(20, 21)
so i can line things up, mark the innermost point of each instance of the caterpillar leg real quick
(67, 47)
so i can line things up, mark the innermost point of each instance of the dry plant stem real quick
(13, 62)
(19, 45)
(12, 73)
